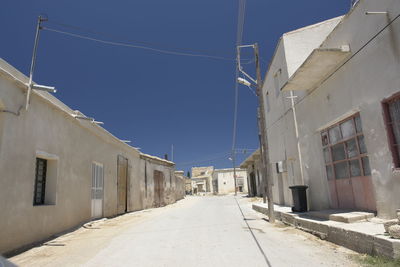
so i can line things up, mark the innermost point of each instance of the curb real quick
(358, 241)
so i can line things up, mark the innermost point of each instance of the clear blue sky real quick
(155, 99)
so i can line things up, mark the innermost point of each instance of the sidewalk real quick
(367, 236)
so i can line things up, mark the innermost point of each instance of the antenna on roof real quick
(352, 3)
(30, 84)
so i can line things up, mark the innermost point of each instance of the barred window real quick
(40, 181)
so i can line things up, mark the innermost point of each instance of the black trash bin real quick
(299, 198)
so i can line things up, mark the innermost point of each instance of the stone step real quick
(342, 215)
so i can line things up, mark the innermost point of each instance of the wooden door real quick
(158, 189)
(122, 184)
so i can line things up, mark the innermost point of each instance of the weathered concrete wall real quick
(149, 165)
(293, 48)
(47, 130)
(368, 78)
(226, 182)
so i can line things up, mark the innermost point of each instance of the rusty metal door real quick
(158, 188)
(347, 166)
(122, 184)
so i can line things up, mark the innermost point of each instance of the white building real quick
(58, 171)
(225, 182)
(340, 134)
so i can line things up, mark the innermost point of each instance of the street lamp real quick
(243, 81)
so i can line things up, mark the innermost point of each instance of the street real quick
(196, 231)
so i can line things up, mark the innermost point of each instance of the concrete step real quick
(345, 216)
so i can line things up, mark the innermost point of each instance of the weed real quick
(367, 260)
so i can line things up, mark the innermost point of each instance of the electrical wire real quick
(107, 35)
(329, 76)
(224, 157)
(239, 37)
(135, 46)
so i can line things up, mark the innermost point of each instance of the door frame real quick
(126, 165)
(94, 163)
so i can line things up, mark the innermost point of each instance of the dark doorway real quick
(122, 184)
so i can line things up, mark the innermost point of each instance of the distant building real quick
(253, 167)
(188, 183)
(225, 183)
(202, 176)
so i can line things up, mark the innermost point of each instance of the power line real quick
(337, 69)
(108, 35)
(239, 37)
(135, 46)
(225, 157)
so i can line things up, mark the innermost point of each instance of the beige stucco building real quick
(225, 182)
(332, 98)
(202, 176)
(58, 171)
(253, 166)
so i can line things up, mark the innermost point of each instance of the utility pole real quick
(30, 84)
(263, 144)
(172, 152)
(267, 182)
(38, 28)
(234, 169)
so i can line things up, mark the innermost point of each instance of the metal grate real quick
(40, 181)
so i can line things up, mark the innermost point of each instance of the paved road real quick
(197, 231)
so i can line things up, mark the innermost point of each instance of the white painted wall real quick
(47, 129)
(368, 78)
(226, 182)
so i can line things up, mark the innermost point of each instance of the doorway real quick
(347, 166)
(158, 189)
(253, 186)
(122, 184)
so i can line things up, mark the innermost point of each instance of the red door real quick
(347, 166)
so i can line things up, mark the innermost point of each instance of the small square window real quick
(347, 128)
(40, 181)
(366, 167)
(267, 106)
(45, 185)
(325, 138)
(361, 144)
(341, 170)
(351, 148)
(355, 169)
(338, 152)
(335, 135)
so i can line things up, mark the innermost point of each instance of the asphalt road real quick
(196, 231)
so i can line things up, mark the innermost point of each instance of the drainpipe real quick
(296, 128)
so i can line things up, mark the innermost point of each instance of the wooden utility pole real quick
(267, 184)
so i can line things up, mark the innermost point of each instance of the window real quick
(344, 150)
(267, 107)
(276, 82)
(392, 116)
(40, 181)
(45, 186)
